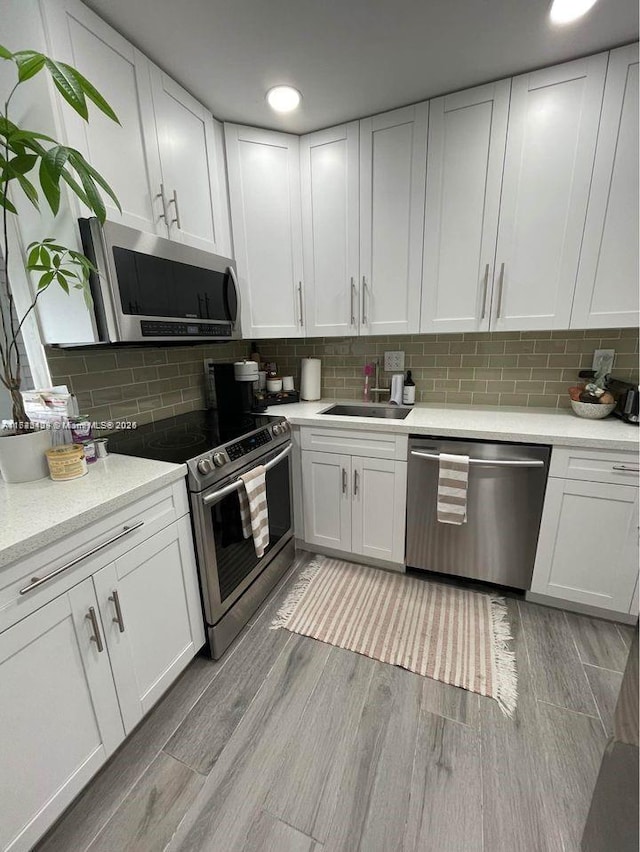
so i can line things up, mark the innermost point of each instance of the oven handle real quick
(235, 485)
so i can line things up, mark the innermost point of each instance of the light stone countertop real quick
(35, 514)
(526, 425)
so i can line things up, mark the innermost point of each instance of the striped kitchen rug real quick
(439, 631)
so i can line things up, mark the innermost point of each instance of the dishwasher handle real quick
(485, 462)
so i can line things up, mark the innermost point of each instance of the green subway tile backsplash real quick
(493, 368)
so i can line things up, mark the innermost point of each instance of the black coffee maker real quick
(231, 388)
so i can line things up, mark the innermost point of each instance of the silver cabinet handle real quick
(174, 201)
(625, 467)
(162, 198)
(38, 581)
(115, 599)
(300, 303)
(500, 289)
(233, 486)
(353, 313)
(344, 480)
(356, 482)
(364, 300)
(95, 637)
(486, 462)
(484, 292)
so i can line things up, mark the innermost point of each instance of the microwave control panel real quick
(152, 328)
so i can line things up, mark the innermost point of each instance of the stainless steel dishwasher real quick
(504, 504)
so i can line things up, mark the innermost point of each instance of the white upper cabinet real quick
(607, 288)
(467, 134)
(551, 139)
(393, 159)
(264, 190)
(329, 165)
(126, 154)
(192, 165)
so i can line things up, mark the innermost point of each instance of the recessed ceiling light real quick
(565, 11)
(283, 98)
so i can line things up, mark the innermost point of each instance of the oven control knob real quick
(204, 466)
(219, 459)
(277, 429)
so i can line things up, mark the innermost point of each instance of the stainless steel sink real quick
(388, 412)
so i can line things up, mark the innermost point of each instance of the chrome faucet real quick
(377, 389)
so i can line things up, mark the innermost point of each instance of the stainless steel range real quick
(219, 446)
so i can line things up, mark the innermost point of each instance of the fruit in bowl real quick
(592, 410)
(591, 401)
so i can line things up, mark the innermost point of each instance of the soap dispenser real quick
(409, 390)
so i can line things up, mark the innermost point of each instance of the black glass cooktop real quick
(178, 439)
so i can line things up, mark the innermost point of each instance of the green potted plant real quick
(35, 165)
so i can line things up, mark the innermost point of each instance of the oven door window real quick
(156, 287)
(235, 555)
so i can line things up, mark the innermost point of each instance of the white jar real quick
(274, 385)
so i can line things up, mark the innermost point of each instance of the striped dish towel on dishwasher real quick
(453, 477)
(254, 513)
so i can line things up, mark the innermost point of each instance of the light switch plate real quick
(603, 360)
(394, 362)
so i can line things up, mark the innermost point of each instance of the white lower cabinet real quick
(79, 672)
(59, 713)
(327, 499)
(147, 606)
(588, 546)
(355, 504)
(379, 504)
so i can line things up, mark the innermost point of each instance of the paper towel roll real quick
(310, 383)
(397, 383)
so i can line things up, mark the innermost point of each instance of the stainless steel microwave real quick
(149, 289)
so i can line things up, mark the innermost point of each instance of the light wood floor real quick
(290, 745)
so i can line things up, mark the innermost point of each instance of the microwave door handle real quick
(234, 281)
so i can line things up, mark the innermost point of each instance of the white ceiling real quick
(352, 58)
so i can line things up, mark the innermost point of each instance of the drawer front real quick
(375, 445)
(612, 466)
(84, 552)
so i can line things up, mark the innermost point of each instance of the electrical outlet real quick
(603, 360)
(394, 362)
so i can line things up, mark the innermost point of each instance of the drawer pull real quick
(115, 599)
(38, 581)
(626, 467)
(344, 481)
(95, 637)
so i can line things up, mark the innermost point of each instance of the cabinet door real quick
(329, 165)
(588, 545)
(607, 287)
(379, 508)
(152, 619)
(393, 160)
(126, 154)
(59, 712)
(193, 176)
(467, 135)
(264, 194)
(551, 138)
(326, 494)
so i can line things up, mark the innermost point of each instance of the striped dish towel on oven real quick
(453, 477)
(254, 513)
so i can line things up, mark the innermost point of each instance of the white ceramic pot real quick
(22, 457)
